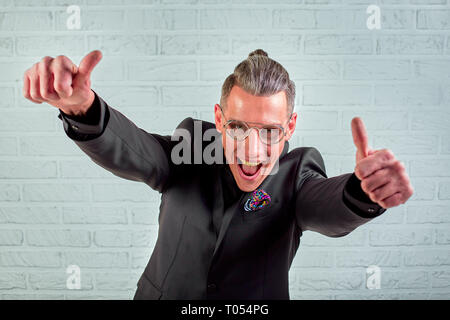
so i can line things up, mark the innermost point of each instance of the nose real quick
(253, 146)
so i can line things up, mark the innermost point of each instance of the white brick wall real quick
(165, 60)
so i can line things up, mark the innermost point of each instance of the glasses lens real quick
(237, 130)
(270, 135)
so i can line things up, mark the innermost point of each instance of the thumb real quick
(89, 62)
(360, 138)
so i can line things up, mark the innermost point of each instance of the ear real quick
(291, 126)
(218, 118)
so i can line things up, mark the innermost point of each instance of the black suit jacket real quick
(208, 246)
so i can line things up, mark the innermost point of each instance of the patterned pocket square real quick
(258, 200)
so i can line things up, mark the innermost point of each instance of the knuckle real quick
(46, 59)
(388, 154)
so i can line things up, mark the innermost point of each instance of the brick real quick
(6, 46)
(129, 95)
(233, 18)
(94, 215)
(63, 45)
(391, 19)
(190, 95)
(442, 236)
(161, 19)
(93, 20)
(409, 144)
(146, 215)
(140, 259)
(52, 238)
(126, 238)
(405, 44)
(424, 189)
(312, 69)
(48, 145)
(338, 44)
(365, 258)
(85, 168)
(119, 45)
(376, 120)
(27, 121)
(9, 192)
(11, 237)
(109, 69)
(27, 169)
(317, 120)
(273, 44)
(216, 70)
(162, 70)
(430, 168)
(57, 281)
(427, 214)
(26, 20)
(9, 146)
(13, 71)
(123, 192)
(12, 280)
(404, 279)
(116, 281)
(7, 94)
(29, 215)
(376, 69)
(317, 259)
(311, 280)
(433, 120)
(445, 144)
(194, 44)
(306, 19)
(58, 192)
(317, 95)
(440, 279)
(411, 94)
(97, 259)
(400, 236)
(433, 19)
(427, 257)
(431, 69)
(30, 259)
(444, 190)
(343, 144)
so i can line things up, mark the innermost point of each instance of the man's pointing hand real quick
(383, 178)
(61, 83)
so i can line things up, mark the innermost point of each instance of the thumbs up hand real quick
(61, 83)
(383, 177)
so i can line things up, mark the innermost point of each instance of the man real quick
(229, 228)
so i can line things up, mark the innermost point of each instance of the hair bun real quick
(260, 52)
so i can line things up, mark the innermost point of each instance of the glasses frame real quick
(253, 127)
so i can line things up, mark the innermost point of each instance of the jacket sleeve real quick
(115, 143)
(330, 206)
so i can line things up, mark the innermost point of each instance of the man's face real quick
(251, 160)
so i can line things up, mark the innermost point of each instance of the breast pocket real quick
(146, 290)
(267, 212)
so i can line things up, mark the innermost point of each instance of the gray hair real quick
(260, 75)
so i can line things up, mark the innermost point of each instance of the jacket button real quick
(371, 210)
(74, 127)
(212, 287)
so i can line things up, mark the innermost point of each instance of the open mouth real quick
(249, 170)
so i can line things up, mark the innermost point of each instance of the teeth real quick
(251, 164)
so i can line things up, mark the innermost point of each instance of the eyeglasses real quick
(240, 130)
